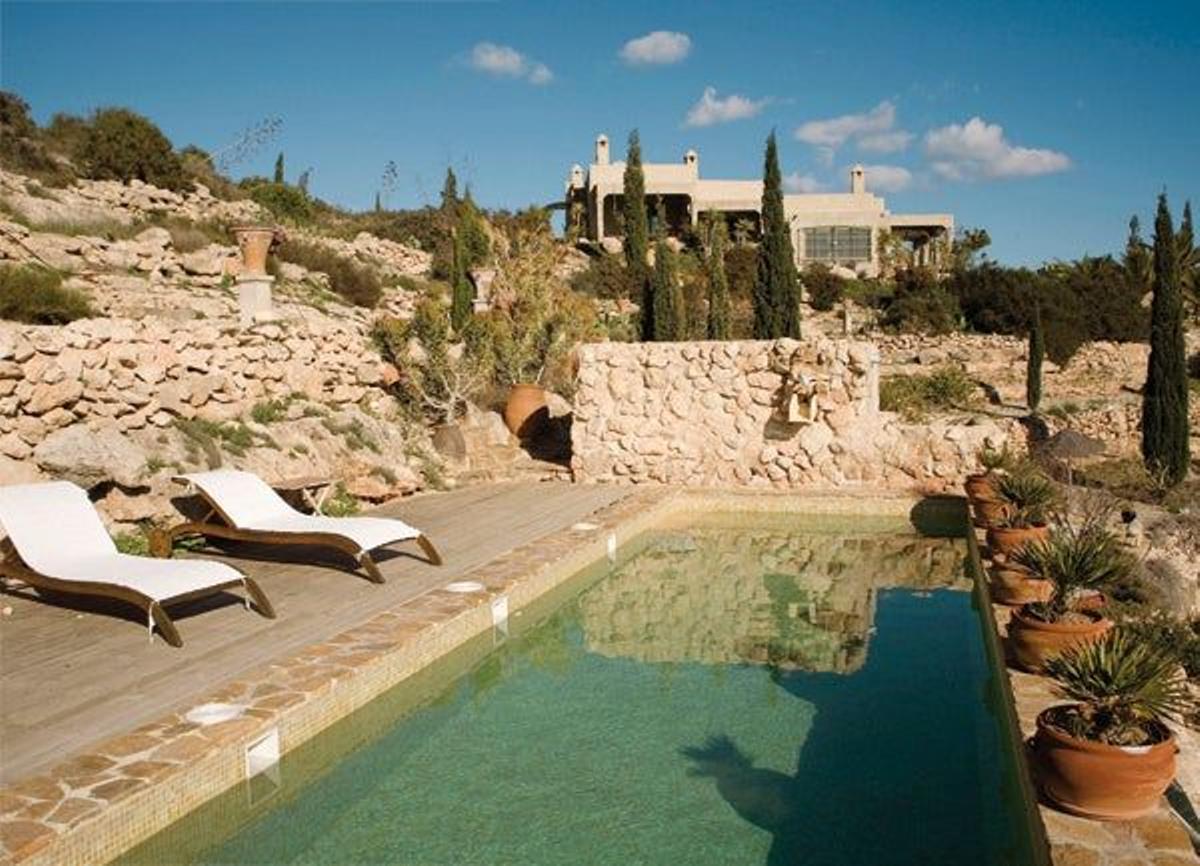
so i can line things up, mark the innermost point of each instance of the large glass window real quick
(837, 244)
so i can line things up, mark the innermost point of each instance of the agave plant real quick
(996, 459)
(1030, 496)
(1126, 690)
(1074, 560)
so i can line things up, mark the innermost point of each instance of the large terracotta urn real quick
(526, 410)
(1098, 780)
(254, 243)
(1009, 539)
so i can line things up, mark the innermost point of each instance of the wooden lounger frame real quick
(162, 541)
(12, 566)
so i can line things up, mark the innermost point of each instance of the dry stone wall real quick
(716, 413)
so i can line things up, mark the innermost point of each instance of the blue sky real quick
(1047, 123)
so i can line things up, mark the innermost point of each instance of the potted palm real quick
(1076, 561)
(1028, 496)
(1110, 755)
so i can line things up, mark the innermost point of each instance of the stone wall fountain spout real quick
(253, 282)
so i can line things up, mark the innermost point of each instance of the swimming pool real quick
(734, 690)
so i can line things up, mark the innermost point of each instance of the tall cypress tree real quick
(718, 281)
(1033, 368)
(461, 294)
(450, 194)
(279, 168)
(1165, 395)
(668, 294)
(378, 204)
(637, 233)
(777, 287)
(1189, 262)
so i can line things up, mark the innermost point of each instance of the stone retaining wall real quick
(709, 413)
(139, 373)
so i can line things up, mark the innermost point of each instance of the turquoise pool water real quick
(736, 692)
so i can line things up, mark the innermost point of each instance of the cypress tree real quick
(1033, 369)
(1189, 261)
(637, 233)
(461, 293)
(718, 282)
(450, 194)
(477, 246)
(668, 295)
(777, 288)
(1165, 395)
(279, 168)
(378, 204)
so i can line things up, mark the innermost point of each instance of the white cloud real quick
(796, 182)
(712, 109)
(836, 131)
(887, 178)
(979, 149)
(885, 142)
(657, 48)
(507, 62)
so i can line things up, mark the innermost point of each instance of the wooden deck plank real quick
(69, 677)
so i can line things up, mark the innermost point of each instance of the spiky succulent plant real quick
(1126, 690)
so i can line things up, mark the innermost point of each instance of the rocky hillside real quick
(161, 379)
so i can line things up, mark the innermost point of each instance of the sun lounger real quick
(245, 508)
(57, 544)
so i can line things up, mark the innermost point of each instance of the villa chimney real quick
(692, 160)
(602, 150)
(576, 179)
(858, 180)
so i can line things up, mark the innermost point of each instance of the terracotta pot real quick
(981, 487)
(1031, 642)
(1017, 586)
(526, 410)
(1096, 780)
(1009, 539)
(254, 242)
(989, 513)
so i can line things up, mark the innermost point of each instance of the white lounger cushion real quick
(58, 534)
(250, 503)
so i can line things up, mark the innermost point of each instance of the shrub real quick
(122, 145)
(1075, 560)
(285, 202)
(605, 277)
(1126, 690)
(36, 296)
(1029, 496)
(21, 145)
(741, 267)
(915, 397)
(357, 284)
(921, 304)
(825, 288)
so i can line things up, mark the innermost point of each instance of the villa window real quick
(837, 244)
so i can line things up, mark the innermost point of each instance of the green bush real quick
(825, 288)
(122, 145)
(741, 268)
(921, 304)
(915, 397)
(357, 284)
(36, 296)
(605, 277)
(22, 147)
(285, 202)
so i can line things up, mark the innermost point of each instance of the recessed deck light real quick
(464, 586)
(213, 714)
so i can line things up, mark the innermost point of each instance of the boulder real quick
(91, 457)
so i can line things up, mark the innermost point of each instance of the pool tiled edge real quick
(1158, 838)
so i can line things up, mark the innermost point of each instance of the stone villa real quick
(838, 229)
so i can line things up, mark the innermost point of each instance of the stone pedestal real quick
(254, 299)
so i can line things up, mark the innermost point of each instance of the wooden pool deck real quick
(70, 677)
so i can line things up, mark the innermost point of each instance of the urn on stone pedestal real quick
(253, 282)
